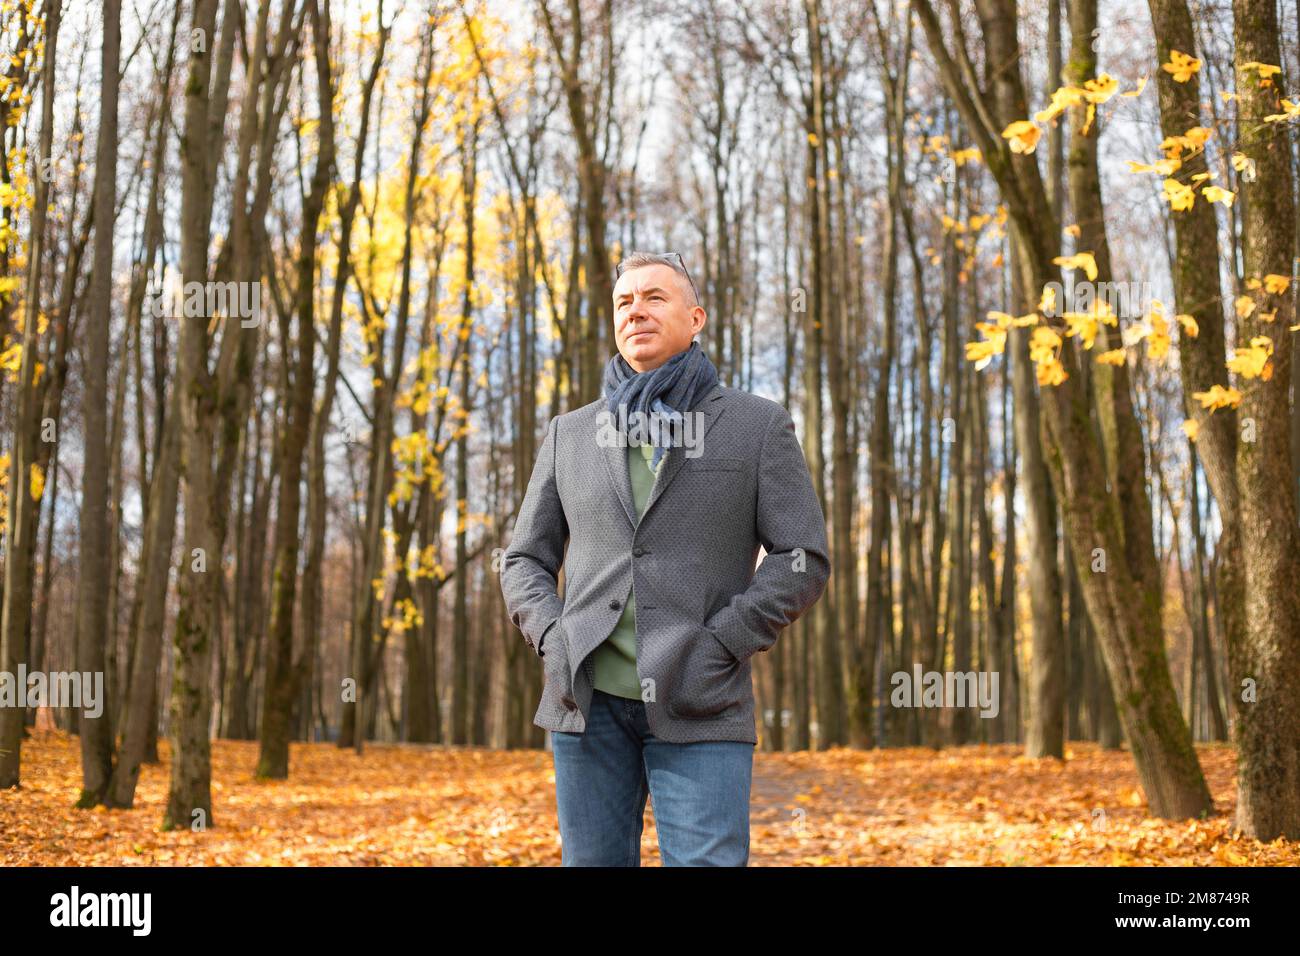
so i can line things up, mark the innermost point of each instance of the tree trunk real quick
(1268, 662)
(281, 685)
(22, 516)
(93, 627)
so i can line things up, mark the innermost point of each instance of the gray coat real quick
(702, 610)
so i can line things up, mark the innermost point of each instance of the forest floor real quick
(456, 806)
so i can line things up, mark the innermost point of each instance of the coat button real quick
(614, 605)
(637, 552)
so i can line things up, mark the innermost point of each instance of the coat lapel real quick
(615, 456)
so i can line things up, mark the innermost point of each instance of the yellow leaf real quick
(1051, 373)
(1192, 140)
(1244, 306)
(1047, 302)
(1004, 320)
(1062, 99)
(1179, 196)
(37, 482)
(1113, 357)
(1190, 327)
(1084, 325)
(1087, 123)
(1292, 111)
(981, 353)
(1158, 341)
(1276, 284)
(1218, 194)
(1181, 66)
(1080, 260)
(1043, 344)
(1265, 70)
(1165, 167)
(1191, 428)
(1250, 362)
(1023, 136)
(1218, 397)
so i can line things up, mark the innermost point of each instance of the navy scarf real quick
(667, 391)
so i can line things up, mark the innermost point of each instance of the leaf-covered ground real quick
(447, 806)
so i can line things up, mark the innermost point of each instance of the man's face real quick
(653, 316)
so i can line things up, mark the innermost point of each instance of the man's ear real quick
(701, 319)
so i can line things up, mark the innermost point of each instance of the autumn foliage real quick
(403, 805)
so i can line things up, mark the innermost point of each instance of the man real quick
(663, 490)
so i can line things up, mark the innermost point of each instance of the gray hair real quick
(672, 260)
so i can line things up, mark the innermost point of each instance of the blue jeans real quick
(699, 792)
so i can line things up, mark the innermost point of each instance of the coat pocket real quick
(715, 464)
(710, 680)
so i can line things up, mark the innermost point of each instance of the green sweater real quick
(614, 661)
